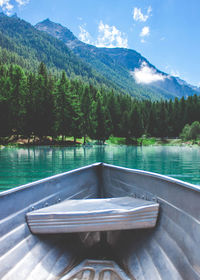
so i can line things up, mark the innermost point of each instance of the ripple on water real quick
(19, 166)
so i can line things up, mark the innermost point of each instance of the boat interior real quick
(101, 222)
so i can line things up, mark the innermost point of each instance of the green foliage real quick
(42, 104)
(147, 141)
(22, 44)
(136, 122)
(102, 122)
(116, 140)
(191, 132)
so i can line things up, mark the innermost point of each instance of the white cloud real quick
(172, 71)
(175, 73)
(7, 7)
(84, 35)
(146, 74)
(139, 16)
(22, 2)
(145, 31)
(110, 37)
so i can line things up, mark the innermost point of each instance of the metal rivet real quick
(32, 208)
(46, 204)
(59, 200)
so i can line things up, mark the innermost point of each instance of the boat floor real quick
(96, 270)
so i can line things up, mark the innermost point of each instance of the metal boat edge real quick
(171, 250)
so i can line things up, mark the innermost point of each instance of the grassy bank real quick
(150, 141)
(69, 141)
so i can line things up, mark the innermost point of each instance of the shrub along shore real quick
(69, 142)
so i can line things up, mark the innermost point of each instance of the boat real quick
(101, 222)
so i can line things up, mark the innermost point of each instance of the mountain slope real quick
(121, 66)
(25, 45)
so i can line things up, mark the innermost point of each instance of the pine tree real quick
(31, 105)
(86, 109)
(115, 114)
(125, 125)
(76, 115)
(101, 123)
(5, 101)
(162, 127)
(44, 111)
(63, 107)
(17, 99)
(136, 123)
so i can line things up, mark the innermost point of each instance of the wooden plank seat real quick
(88, 215)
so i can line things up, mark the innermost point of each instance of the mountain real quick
(126, 68)
(55, 45)
(22, 44)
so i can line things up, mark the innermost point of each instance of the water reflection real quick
(22, 165)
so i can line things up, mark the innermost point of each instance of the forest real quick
(41, 104)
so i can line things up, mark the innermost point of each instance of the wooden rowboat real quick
(101, 222)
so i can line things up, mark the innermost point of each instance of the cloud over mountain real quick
(147, 75)
(7, 6)
(84, 35)
(108, 36)
(111, 37)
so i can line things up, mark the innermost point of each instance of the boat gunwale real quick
(125, 169)
(155, 175)
(32, 184)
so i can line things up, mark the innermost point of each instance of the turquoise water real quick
(19, 166)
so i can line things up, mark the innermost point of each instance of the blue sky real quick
(166, 32)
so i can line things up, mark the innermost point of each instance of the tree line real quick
(41, 104)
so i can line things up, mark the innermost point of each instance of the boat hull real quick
(169, 251)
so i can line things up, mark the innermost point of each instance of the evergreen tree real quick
(125, 125)
(31, 105)
(5, 97)
(115, 114)
(162, 122)
(136, 123)
(63, 107)
(44, 111)
(17, 98)
(101, 130)
(176, 118)
(42, 104)
(86, 109)
(76, 115)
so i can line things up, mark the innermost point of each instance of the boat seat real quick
(89, 215)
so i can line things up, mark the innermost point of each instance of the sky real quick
(166, 32)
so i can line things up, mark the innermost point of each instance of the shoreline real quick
(151, 141)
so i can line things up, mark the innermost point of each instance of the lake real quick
(19, 166)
